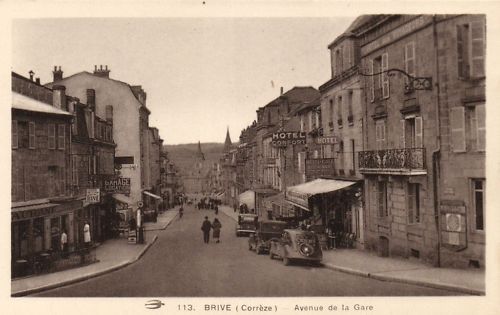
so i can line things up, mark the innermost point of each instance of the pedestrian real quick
(216, 210)
(86, 234)
(216, 225)
(206, 227)
(64, 243)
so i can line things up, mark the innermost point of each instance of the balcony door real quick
(411, 135)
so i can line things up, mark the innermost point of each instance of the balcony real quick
(409, 161)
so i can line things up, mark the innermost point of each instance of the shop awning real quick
(31, 211)
(123, 199)
(248, 198)
(152, 195)
(299, 195)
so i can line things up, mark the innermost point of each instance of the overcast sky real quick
(201, 74)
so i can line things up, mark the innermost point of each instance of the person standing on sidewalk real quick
(216, 226)
(206, 227)
(86, 235)
(64, 244)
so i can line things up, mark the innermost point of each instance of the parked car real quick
(296, 245)
(266, 230)
(246, 224)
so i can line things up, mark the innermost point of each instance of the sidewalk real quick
(113, 254)
(368, 264)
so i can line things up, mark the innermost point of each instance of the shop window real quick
(471, 46)
(382, 199)
(23, 238)
(51, 136)
(15, 136)
(413, 201)
(61, 133)
(31, 135)
(38, 234)
(478, 187)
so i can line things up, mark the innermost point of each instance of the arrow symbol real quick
(154, 304)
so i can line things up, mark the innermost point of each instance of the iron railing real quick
(405, 159)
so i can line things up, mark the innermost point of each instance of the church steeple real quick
(227, 144)
(200, 154)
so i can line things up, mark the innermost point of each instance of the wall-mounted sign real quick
(93, 195)
(119, 185)
(326, 140)
(286, 138)
(316, 168)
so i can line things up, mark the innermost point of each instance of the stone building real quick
(423, 161)
(130, 126)
(42, 205)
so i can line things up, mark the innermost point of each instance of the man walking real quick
(206, 227)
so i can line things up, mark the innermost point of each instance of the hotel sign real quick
(286, 138)
(326, 140)
(93, 195)
(316, 168)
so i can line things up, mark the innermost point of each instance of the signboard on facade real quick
(286, 138)
(120, 185)
(326, 140)
(93, 195)
(316, 168)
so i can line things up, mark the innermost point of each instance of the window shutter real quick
(385, 77)
(372, 80)
(15, 137)
(457, 126)
(481, 127)
(460, 51)
(31, 133)
(52, 136)
(61, 137)
(477, 49)
(418, 132)
(403, 133)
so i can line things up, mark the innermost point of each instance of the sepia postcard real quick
(223, 157)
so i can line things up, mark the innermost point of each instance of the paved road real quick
(180, 264)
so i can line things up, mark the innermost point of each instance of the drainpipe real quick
(436, 154)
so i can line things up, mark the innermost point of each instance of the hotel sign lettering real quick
(286, 138)
(326, 140)
(316, 168)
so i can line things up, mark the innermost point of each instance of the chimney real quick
(31, 73)
(58, 74)
(37, 81)
(281, 91)
(59, 96)
(91, 99)
(103, 73)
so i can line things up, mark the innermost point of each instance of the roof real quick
(50, 84)
(355, 25)
(22, 102)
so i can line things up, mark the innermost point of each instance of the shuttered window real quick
(477, 49)
(480, 127)
(409, 60)
(385, 77)
(380, 134)
(61, 133)
(457, 128)
(31, 135)
(418, 132)
(15, 135)
(52, 136)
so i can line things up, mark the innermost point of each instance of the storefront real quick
(330, 205)
(37, 228)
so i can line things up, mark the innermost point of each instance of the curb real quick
(405, 281)
(166, 225)
(86, 277)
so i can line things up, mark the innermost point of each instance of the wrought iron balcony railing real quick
(409, 161)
